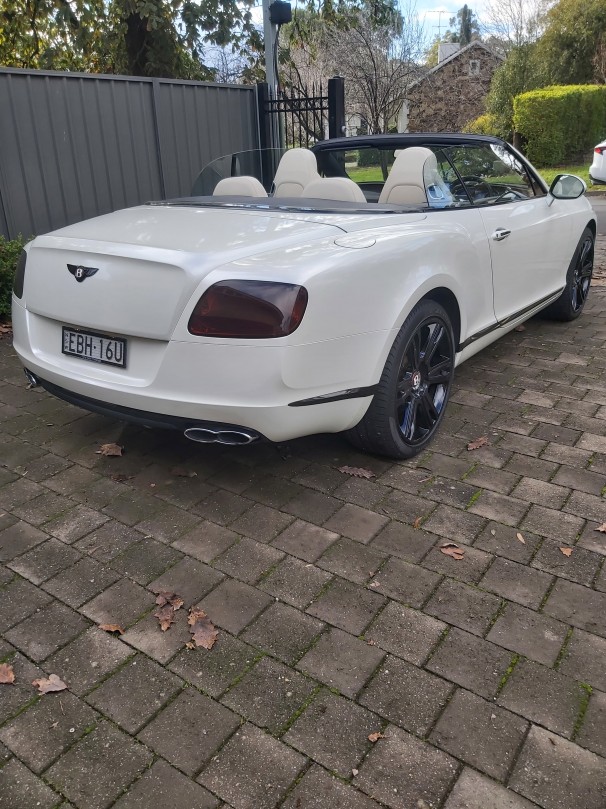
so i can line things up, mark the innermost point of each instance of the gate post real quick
(265, 139)
(336, 107)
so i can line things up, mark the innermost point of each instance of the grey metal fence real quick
(76, 145)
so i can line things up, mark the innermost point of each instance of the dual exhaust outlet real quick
(232, 438)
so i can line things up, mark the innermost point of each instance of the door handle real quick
(500, 234)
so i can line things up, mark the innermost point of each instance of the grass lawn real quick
(373, 174)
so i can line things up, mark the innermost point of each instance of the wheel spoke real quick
(429, 409)
(432, 343)
(409, 421)
(439, 372)
(415, 350)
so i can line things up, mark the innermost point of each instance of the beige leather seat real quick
(405, 184)
(297, 168)
(340, 189)
(239, 187)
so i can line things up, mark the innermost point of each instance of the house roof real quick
(475, 44)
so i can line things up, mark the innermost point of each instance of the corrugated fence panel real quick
(199, 123)
(74, 146)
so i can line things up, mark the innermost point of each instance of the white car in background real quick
(327, 305)
(597, 170)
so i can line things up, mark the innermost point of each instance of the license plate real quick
(94, 347)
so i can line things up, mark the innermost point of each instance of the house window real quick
(474, 67)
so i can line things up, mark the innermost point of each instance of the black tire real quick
(578, 280)
(413, 390)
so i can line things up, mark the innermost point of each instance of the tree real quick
(469, 28)
(511, 23)
(521, 71)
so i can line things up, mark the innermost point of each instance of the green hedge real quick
(9, 255)
(561, 124)
(486, 124)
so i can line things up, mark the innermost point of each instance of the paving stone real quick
(356, 523)
(80, 582)
(295, 582)
(469, 569)
(74, 524)
(94, 772)
(45, 560)
(529, 633)
(319, 477)
(146, 560)
(463, 606)
(20, 694)
(470, 662)
(248, 560)
(214, 673)
(533, 468)
(304, 540)
(162, 785)
(516, 582)
(406, 695)
(405, 582)
(122, 604)
(402, 771)
(265, 766)
(584, 659)
(556, 525)
(341, 661)
(581, 566)
(351, 560)
(499, 507)
(19, 492)
(592, 539)
(131, 696)
(318, 733)
(496, 480)
(543, 696)
(189, 731)
(365, 493)
(580, 479)
(261, 523)
(503, 540)
(147, 637)
(206, 541)
(479, 733)
(448, 467)
(168, 524)
(557, 774)
(538, 491)
(21, 789)
(269, 694)
(592, 734)
(573, 456)
(222, 507)
(319, 790)
(108, 541)
(19, 538)
(347, 606)
(405, 632)
(190, 579)
(45, 730)
(72, 479)
(20, 599)
(578, 606)
(313, 506)
(88, 659)
(586, 506)
(46, 631)
(474, 791)
(233, 605)
(131, 507)
(403, 541)
(284, 632)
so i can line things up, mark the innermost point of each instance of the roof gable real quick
(475, 44)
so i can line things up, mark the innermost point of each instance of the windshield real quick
(258, 163)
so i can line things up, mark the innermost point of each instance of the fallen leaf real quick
(354, 772)
(478, 442)
(190, 645)
(520, 538)
(5, 328)
(601, 528)
(7, 675)
(203, 633)
(195, 614)
(112, 628)
(53, 683)
(453, 550)
(166, 617)
(520, 328)
(179, 472)
(566, 551)
(111, 450)
(121, 478)
(357, 472)
(374, 737)
(375, 584)
(165, 597)
(417, 522)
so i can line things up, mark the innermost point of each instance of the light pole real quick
(269, 36)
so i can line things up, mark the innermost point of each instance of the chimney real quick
(446, 49)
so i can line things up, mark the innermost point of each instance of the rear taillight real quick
(20, 275)
(600, 149)
(248, 310)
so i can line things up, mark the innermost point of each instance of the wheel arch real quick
(448, 301)
(592, 227)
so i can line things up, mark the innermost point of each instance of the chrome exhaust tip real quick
(32, 380)
(232, 438)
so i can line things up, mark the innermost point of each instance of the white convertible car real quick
(337, 295)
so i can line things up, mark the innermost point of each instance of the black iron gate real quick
(294, 117)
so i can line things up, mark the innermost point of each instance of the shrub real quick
(483, 125)
(9, 255)
(560, 124)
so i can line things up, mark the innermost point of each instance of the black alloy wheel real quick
(413, 391)
(578, 280)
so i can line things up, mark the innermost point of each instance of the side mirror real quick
(566, 186)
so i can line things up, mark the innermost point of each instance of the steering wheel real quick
(473, 184)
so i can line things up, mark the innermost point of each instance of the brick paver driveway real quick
(338, 618)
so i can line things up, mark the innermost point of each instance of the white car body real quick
(597, 170)
(363, 272)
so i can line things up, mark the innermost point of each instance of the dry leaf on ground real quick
(112, 628)
(53, 683)
(357, 472)
(566, 551)
(179, 472)
(520, 538)
(5, 328)
(7, 675)
(111, 450)
(195, 614)
(203, 631)
(121, 478)
(601, 528)
(166, 617)
(417, 522)
(374, 737)
(453, 550)
(478, 442)
(165, 597)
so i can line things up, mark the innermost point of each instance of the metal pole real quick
(269, 36)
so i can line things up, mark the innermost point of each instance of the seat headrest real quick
(337, 188)
(406, 183)
(239, 187)
(296, 169)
